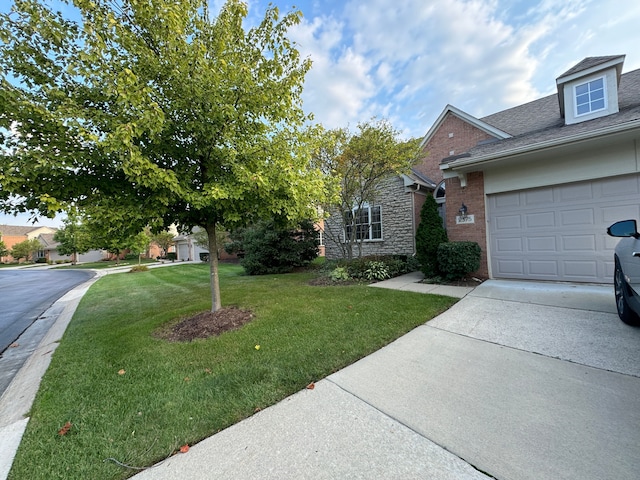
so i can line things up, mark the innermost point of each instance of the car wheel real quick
(625, 313)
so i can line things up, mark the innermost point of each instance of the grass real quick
(172, 394)
(108, 264)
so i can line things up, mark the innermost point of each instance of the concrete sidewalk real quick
(445, 402)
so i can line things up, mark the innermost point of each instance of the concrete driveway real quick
(518, 380)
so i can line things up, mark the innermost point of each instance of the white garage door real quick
(559, 233)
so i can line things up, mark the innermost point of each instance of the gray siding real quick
(398, 230)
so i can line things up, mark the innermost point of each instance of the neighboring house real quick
(12, 234)
(388, 224)
(543, 180)
(540, 182)
(50, 251)
(186, 248)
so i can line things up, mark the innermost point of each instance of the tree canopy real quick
(359, 162)
(154, 112)
(26, 249)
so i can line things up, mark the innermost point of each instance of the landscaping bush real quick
(375, 267)
(172, 256)
(457, 259)
(376, 271)
(138, 268)
(429, 235)
(270, 248)
(339, 274)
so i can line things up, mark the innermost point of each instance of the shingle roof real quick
(590, 62)
(540, 121)
(14, 230)
(46, 239)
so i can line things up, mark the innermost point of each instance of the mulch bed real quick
(206, 324)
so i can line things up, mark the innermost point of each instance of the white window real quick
(365, 224)
(591, 96)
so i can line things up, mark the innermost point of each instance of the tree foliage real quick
(153, 113)
(164, 240)
(26, 249)
(72, 238)
(270, 247)
(4, 251)
(359, 162)
(429, 235)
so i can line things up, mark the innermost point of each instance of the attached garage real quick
(558, 232)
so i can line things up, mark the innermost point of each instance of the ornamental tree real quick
(26, 249)
(72, 238)
(154, 112)
(358, 163)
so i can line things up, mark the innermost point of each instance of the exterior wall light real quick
(463, 211)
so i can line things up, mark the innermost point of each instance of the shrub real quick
(138, 268)
(172, 256)
(457, 259)
(339, 274)
(270, 248)
(429, 235)
(375, 267)
(376, 271)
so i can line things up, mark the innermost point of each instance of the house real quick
(12, 234)
(388, 223)
(542, 181)
(186, 246)
(537, 185)
(50, 251)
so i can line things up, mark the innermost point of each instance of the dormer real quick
(590, 89)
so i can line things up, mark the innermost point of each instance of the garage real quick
(558, 232)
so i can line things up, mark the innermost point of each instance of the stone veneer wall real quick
(398, 228)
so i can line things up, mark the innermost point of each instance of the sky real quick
(405, 60)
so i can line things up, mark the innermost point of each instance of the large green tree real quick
(359, 162)
(154, 112)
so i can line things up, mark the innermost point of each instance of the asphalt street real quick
(26, 295)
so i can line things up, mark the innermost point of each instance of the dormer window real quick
(590, 96)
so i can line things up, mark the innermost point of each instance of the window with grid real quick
(367, 223)
(590, 97)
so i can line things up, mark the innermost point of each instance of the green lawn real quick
(175, 394)
(109, 264)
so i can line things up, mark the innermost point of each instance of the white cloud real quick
(407, 59)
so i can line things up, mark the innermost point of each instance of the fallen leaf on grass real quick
(121, 371)
(311, 386)
(184, 448)
(65, 429)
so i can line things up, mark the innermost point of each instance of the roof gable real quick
(485, 127)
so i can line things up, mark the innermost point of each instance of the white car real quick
(627, 271)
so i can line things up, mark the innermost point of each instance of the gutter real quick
(542, 145)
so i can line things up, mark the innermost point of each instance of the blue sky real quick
(405, 60)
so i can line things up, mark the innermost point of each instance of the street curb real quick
(17, 399)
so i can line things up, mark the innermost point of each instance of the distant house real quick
(12, 234)
(536, 185)
(186, 247)
(50, 251)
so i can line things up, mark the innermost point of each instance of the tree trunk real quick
(216, 304)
